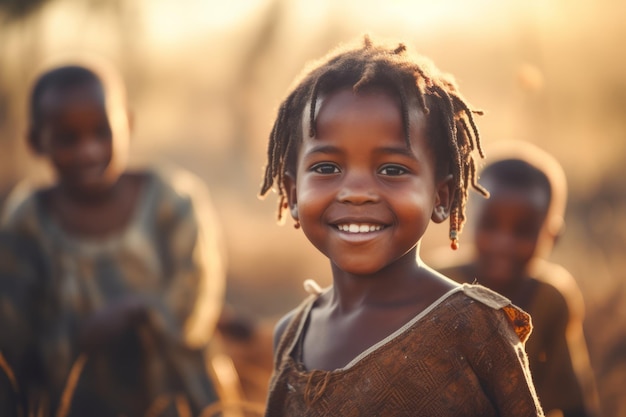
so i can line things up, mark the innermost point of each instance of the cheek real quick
(412, 205)
(311, 191)
(483, 240)
(526, 248)
(107, 149)
(61, 156)
(311, 204)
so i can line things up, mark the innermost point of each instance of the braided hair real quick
(453, 134)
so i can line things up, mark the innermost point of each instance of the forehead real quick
(532, 197)
(381, 105)
(58, 98)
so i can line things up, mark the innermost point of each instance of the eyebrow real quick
(394, 150)
(390, 150)
(324, 149)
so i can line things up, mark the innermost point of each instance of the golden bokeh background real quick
(205, 78)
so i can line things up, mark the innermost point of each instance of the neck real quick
(509, 288)
(86, 199)
(387, 286)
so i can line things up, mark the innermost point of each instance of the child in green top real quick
(134, 280)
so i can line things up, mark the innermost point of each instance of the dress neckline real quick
(295, 351)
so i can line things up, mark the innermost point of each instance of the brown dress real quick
(557, 350)
(462, 356)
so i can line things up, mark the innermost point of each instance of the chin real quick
(92, 189)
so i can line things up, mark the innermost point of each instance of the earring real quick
(454, 229)
(296, 225)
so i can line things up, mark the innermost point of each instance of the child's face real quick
(362, 197)
(509, 228)
(77, 138)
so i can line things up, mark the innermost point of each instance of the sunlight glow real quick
(169, 23)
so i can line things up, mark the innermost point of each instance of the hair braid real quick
(453, 132)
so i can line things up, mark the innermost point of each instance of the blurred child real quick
(515, 230)
(134, 280)
(370, 146)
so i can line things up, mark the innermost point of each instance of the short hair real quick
(522, 164)
(453, 134)
(63, 78)
(72, 72)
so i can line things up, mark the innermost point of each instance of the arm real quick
(501, 365)
(280, 328)
(566, 381)
(109, 323)
(194, 284)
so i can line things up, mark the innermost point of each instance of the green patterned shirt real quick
(168, 256)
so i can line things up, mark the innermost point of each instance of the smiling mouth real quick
(359, 227)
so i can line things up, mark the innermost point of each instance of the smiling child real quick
(370, 147)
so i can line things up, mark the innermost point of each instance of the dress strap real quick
(519, 319)
(312, 287)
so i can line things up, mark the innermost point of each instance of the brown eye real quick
(325, 168)
(104, 132)
(64, 140)
(488, 223)
(393, 170)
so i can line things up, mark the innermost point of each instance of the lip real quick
(89, 171)
(360, 220)
(358, 230)
(499, 265)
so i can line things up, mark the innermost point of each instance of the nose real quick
(358, 187)
(91, 150)
(502, 242)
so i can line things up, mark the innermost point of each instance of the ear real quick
(34, 141)
(289, 183)
(556, 228)
(443, 199)
(130, 116)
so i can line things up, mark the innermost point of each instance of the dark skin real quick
(510, 232)
(365, 199)
(335, 336)
(93, 197)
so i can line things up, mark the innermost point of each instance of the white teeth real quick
(359, 228)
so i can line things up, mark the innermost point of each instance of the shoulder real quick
(281, 326)
(20, 212)
(558, 288)
(18, 252)
(291, 322)
(178, 181)
(178, 193)
(288, 330)
(170, 185)
(491, 309)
